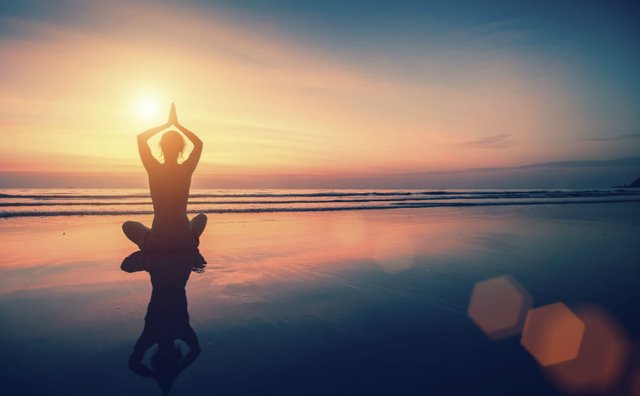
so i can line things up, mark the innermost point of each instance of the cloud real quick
(489, 142)
(627, 161)
(624, 136)
(617, 162)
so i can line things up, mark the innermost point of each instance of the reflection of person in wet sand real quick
(167, 318)
(169, 184)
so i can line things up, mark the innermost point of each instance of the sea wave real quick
(329, 193)
(491, 193)
(271, 209)
(126, 202)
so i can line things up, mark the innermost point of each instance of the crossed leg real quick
(136, 232)
(198, 223)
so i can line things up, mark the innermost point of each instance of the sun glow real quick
(147, 108)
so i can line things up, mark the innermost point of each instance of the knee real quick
(127, 225)
(130, 227)
(200, 218)
(198, 223)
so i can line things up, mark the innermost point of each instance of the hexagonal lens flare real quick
(603, 354)
(552, 334)
(498, 306)
(394, 252)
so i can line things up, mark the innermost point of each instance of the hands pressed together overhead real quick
(145, 152)
(173, 117)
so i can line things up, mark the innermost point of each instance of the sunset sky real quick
(324, 94)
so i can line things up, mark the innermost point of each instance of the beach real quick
(319, 198)
(341, 302)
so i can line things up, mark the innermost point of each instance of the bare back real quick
(169, 187)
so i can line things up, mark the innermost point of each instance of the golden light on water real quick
(349, 230)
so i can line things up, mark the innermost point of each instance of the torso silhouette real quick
(167, 315)
(169, 187)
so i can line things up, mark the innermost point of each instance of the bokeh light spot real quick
(498, 306)
(634, 386)
(552, 334)
(603, 354)
(394, 252)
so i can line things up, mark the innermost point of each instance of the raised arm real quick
(194, 157)
(191, 339)
(143, 146)
(135, 360)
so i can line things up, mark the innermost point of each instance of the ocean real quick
(333, 301)
(79, 202)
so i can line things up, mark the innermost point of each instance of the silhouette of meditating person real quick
(169, 184)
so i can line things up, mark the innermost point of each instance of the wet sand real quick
(352, 302)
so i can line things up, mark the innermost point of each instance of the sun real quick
(147, 108)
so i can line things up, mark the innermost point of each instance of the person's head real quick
(165, 364)
(172, 144)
